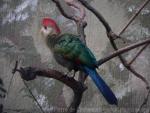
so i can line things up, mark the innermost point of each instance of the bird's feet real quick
(74, 74)
(69, 74)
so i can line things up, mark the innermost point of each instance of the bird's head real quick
(49, 27)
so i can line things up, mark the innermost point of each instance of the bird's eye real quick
(45, 27)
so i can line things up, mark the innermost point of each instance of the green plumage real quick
(71, 53)
(71, 48)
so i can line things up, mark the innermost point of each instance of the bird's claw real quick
(68, 77)
(71, 77)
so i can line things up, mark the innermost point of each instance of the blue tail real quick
(102, 86)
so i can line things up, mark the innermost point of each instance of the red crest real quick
(50, 22)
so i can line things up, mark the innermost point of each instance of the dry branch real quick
(33, 96)
(64, 9)
(30, 73)
(140, 51)
(125, 49)
(97, 14)
(76, 4)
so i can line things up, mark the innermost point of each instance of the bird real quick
(69, 51)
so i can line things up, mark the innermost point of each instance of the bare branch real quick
(65, 9)
(97, 14)
(50, 73)
(77, 87)
(134, 16)
(144, 102)
(76, 4)
(68, 12)
(123, 50)
(144, 47)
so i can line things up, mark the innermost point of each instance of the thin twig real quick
(11, 80)
(140, 51)
(26, 85)
(10, 83)
(144, 102)
(134, 16)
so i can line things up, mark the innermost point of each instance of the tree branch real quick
(123, 50)
(97, 14)
(140, 51)
(65, 9)
(30, 73)
(76, 4)
(50, 73)
(144, 102)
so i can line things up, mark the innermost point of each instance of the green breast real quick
(73, 49)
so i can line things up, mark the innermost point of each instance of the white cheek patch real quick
(47, 31)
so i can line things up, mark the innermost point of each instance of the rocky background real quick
(20, 40)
